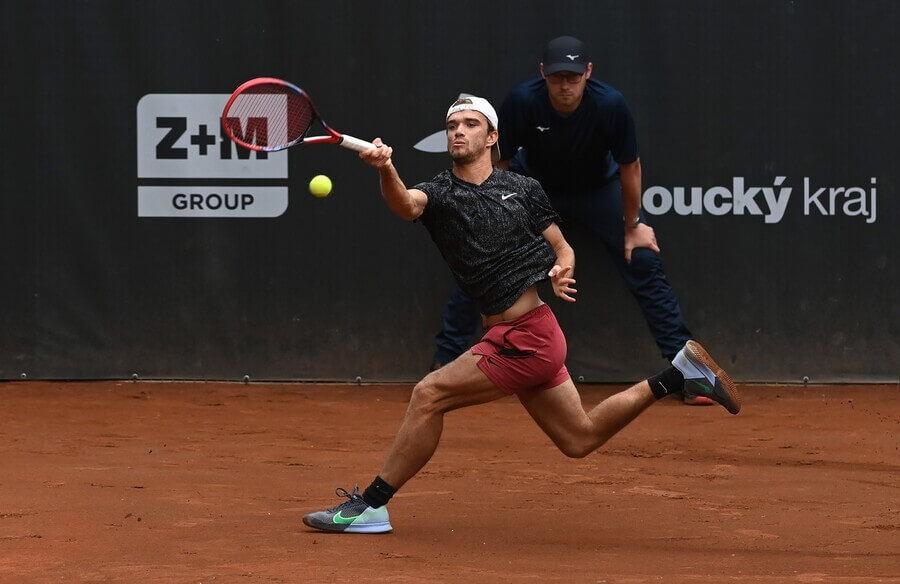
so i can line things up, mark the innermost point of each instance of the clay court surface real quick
(206, 482)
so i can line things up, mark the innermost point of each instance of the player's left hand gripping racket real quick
(268, 114)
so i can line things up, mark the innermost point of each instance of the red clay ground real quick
(192, 482)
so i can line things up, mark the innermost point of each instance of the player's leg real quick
(561, 415)
(458, 384)
(576, 432)
(459, 321)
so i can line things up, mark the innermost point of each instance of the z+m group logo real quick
(187, 167)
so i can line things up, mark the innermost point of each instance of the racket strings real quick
(270, 116)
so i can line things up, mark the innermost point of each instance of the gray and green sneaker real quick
(351, 516)
(703, 377)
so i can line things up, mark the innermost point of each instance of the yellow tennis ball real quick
(320, 186)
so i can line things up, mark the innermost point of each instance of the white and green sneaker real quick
(351, 516)
(703, 377)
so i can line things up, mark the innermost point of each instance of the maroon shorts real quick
(525, 356)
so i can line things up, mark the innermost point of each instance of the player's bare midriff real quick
(527, 302)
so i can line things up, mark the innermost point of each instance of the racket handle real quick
(355, 143)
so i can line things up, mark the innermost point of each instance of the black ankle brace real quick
(378, 493)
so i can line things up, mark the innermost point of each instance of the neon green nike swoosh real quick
(705, 387)
(338, 518)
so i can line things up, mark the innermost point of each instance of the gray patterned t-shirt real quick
(491, 235)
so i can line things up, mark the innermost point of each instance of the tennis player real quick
(575, 134)
(498, 233)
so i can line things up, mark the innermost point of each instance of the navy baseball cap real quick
(565, 53)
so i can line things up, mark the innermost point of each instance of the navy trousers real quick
(601, 212)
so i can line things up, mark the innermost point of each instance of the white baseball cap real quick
(482, 106)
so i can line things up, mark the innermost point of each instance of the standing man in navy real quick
(576, 136)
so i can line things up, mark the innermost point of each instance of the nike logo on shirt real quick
(504, 197)
(541, 128)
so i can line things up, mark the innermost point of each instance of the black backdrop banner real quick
(136, 240)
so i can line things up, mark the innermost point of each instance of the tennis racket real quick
(267, 114)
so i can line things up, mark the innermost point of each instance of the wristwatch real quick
(631, 224)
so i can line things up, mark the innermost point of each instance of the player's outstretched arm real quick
(405, 203)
